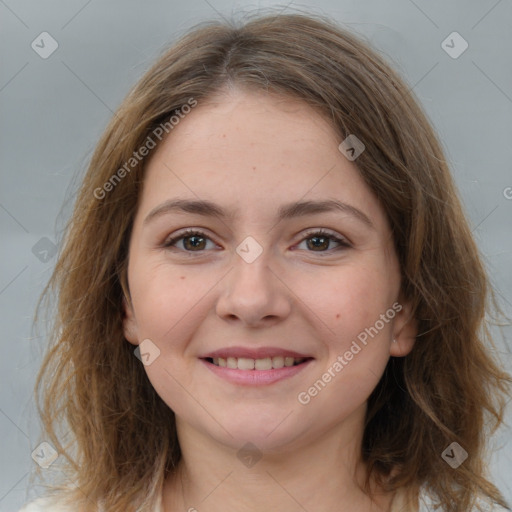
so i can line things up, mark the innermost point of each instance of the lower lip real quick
(256, 377)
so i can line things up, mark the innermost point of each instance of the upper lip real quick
(253, 353)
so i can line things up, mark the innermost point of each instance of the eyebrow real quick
(287, 211)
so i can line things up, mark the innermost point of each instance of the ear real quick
(129, 323)
(405, 330)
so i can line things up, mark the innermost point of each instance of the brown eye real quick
(193, 241)
(319, 241)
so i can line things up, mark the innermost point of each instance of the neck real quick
(324, 474)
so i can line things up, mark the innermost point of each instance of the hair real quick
(122, 438)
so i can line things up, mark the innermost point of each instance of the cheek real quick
(169, 305)
(168, 301)
(350, 299)
(357, 342)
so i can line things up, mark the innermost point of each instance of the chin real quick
(268, 437)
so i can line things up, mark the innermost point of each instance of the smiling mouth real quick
(267, 363)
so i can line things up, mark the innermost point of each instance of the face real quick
(261, 285)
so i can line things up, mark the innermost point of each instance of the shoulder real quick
(46, 504)
(57, 504)
(484, 505)
(411, 500)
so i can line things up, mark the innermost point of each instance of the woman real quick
(269, 296)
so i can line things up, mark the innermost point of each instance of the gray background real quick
(53, 111)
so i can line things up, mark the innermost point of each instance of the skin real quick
(252, 152)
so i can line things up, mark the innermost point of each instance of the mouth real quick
(262, 371)
(255, 366)
(260, 364)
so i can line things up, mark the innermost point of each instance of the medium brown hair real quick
(121, 436)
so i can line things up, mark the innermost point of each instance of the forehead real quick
(252, 152)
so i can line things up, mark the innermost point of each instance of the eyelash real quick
(343, 243)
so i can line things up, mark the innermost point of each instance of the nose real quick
(254, 293)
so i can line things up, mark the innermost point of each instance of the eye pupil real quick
(323, 238)
(194, 244)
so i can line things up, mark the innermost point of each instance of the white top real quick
(50, 504)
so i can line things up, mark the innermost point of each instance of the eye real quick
(196, 241)
(321, 239)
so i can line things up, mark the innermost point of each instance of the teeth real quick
(288, 361)
(267, 363)
(278, 362)
(245, 363)
(263, 364)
